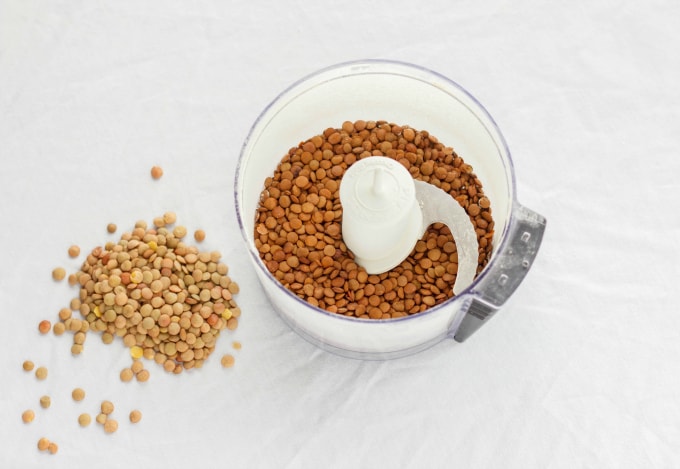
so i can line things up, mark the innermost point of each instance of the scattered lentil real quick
(53, 447)
(169, 218)
(111, 227)
(74, 251)
(44, 326)
(143, 376)
(227, 361)
(137, 366)
(72, 280)
(236, 345)
(100, 418)
(298, 222)
(41, 373)
(27, 365)
(126, 375)
(156, 172)
(45, 402)
(110, 425)
(43, 444)
(106, 407)
(84, 420)
(199, 235)
(64, 314)
(58, 274)
(27, 416)
(135, 416)
(78, 394)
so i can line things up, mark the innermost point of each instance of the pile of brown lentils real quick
(167, 300)
(298, 223)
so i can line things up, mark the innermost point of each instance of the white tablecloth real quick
(580, 367)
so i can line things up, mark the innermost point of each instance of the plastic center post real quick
(385, 212)
(381, 218)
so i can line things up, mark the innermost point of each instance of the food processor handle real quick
(510, 266)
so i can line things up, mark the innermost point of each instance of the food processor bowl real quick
(410, 95)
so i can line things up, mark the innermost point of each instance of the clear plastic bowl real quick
(408, 95)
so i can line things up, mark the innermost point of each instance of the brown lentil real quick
(106, 407)
(45, 402)
(53, 447)
(84, 420)
(78, 394)
(137, 366)
(135, 416)
(27, 365)
(72, 280)
(44, 326)
(228, 361)
(156, 172)
(41, 373)
(126, 374)
(73, 251)
(43, 444)
(110, 425)
(199, 235)
(298, 222)
(58, 274)
(111, 228)
(100, 418)
(27, 416)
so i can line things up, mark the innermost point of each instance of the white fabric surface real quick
(578, 370)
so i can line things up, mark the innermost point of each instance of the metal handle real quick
(508, 269)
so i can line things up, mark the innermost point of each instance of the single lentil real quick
(27, 416)
(169, 218)
(41, 373)
(135, 350)
(135, 416)
(227, 361)
(111, 228)
(64, 314)
(45, 402)
(101, 418)
(110, 425)
(53, 447)
(199, 235)
(156, 172)
(84, 419)
(43, 444)
(72, 280)
(143, 376)
(27, 365)
(106, 407)
(126, 375)
(137, 366)
(78, 394)
(74, 251)
(44, 326)
(58, 274)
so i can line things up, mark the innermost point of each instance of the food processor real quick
(408, 95)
